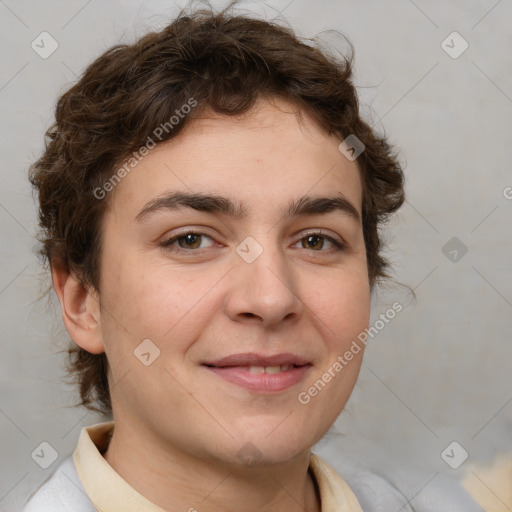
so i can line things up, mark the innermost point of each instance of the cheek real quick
(344, 313)
(154, 301)
(342, 307)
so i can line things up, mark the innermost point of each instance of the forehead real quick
(266, 156)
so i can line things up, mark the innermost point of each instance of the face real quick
(246, 297)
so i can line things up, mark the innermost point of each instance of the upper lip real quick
(253, 359)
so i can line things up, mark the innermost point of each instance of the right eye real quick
(188, 241)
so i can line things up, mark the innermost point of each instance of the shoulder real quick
(414, 491)
(407, 490)
(61, 492)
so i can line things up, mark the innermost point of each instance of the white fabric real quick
(409, 491)
(62, 492)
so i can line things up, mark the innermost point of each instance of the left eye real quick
(315, 241)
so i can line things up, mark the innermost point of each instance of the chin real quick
(270, 444)
(250, 455)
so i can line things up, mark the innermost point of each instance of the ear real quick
(80, 309)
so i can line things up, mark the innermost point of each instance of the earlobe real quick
(80, 309)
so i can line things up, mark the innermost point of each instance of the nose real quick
(264, 291)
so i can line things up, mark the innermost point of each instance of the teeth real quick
(269, 369)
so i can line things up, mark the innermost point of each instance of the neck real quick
(174, 480)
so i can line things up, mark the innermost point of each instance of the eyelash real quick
(167, 244)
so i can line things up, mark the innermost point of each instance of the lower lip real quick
(262, 382)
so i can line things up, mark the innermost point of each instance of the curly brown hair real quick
(225, 61)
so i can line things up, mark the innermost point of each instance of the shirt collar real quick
(109, 492)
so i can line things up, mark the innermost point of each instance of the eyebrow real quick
(212, 203)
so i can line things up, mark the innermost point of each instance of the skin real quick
(179, 427)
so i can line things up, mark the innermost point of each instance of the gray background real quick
(440, 371)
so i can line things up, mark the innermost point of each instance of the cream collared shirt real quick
(85, 482)
(109, 492)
